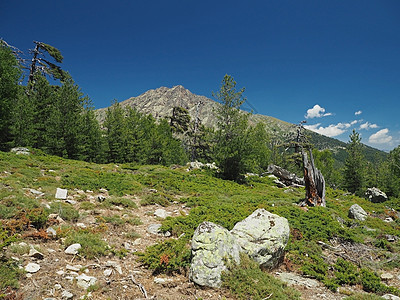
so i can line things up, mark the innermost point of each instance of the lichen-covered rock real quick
(212, 247)
(263, 236)
(357, 212)
(375, 195)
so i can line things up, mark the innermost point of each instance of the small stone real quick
(153, 228)
(390, 297)
(75, 268)
(101, 198)
(61, 193)
(61, 272)
(36, 192)
(32, 268)
(73, 249)
(72, 202)
(81, 225)
(66, 295)
(388, 220)
(58, 286)
(386, 276)
(161, 213)
(36, 254)
(107, 272)
(103, 190)
(115, 265)
(160, 280)
(84, 281)
(51, 232)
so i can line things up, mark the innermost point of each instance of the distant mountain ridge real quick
(161, 101)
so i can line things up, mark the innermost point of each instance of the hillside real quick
(112, 210)
(160, 102)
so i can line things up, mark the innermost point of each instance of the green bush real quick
(66, 211)
(248, 281)
(167, 257)
(92, 244)
(9, 274)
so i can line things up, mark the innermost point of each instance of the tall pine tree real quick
(354, 171)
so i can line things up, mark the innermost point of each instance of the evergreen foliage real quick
(354, 171)
(237, 148)
(9, 76)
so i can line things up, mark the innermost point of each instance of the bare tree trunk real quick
(314, 182)
(33, 64)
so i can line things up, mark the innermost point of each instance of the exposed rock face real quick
(212, 247)
(375, 195)
(357, 212)
(263, 236)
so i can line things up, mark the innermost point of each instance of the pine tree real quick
(354, 171)
(116, 133)
(10, 73)
(231, 148)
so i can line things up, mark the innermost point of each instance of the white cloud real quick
(332, 130)
(316, 112)
(368, 125)
(380, 137)
(359, 112)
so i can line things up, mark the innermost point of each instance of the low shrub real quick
(167, 257)
(248, 281)
(92, 244)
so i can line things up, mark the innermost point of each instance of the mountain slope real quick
(160, 102)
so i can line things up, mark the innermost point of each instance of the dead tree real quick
(313, 179)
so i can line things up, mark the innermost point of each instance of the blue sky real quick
(335, 64)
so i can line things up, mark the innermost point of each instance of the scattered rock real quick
(32, 268)
(101, 198)
(390, 297)
(375, 195)
(36, 254)
(103, 190)
(357, 212)
(67, 295)
(386, 276)
(72, 202)
(36, 192)
(153, 228)
(391, 238)
(61, 194)
(199, 165)
(162, 281)
(20, 150)
(294, 279)
(84, 281)
(107, 272)
(115, 265)
(161, 213)
(51, 232)
(75, 268)
(73, 249)
(212, 247)
(263, 236)
(388, 220)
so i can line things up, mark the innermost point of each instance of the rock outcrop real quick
(357, 212)
(263, 236)
(212, 247)
(375, 195)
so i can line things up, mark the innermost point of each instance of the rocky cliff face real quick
(161, 101)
